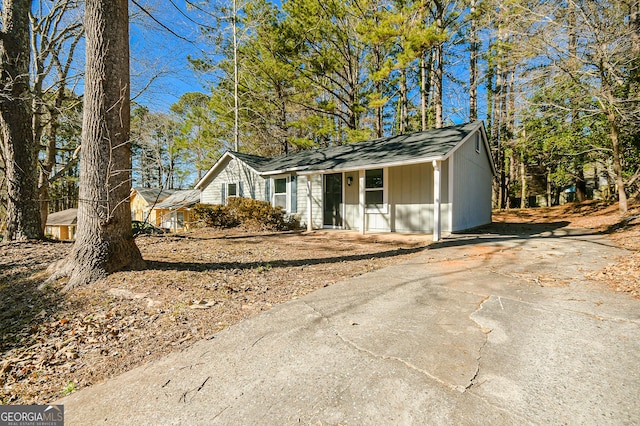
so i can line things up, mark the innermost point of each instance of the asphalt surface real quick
(489, 328)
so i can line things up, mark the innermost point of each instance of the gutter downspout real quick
(436, 201)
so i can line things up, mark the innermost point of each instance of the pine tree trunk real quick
(403, 115)
(439, 69)
(20, 151)
(617, 163)
(104, 241)
(473, 66)
(523, 187)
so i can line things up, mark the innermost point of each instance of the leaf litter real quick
(200, 282)
(195, 284)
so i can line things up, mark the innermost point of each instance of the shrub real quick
(248, 213)
(256, 215)
(214, 215)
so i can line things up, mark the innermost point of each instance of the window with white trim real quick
(280, 192)
(232, 189)
(374, 186)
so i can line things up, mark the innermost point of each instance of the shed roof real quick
(178, 199)
(64, 217)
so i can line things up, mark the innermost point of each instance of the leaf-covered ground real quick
(624, 231)
(195, 284)
(198, 283)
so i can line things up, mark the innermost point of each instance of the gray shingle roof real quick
(64, 217)
(254, 161)
(185, 198)
(390, 150)
(153, 195)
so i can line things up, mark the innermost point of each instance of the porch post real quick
(309, 205)
(436, 200)
(362, 199)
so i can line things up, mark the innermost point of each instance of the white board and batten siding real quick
(250, 184)
(471, 189)
(409, 201)
(316, 197)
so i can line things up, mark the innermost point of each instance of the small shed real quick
(428, 182)
(143, 200)
(62, 225)
(176, 211)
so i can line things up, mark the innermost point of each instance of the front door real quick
(333, 200)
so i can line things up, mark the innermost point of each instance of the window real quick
(280, 192)
(232, 190)
(478, 143)
(374, 189)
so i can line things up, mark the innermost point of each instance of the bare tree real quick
(55, 36)
(18, 147)
(104, 241)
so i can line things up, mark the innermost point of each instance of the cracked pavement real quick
(481, 328)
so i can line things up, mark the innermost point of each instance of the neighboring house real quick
(176, 211)
(62, 225)
(429, 182)
(144, 199)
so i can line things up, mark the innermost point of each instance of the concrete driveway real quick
(498, 327)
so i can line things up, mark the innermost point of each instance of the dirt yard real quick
(195, 285)
(198, 283)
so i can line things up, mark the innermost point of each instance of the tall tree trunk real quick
(614, 134)
(439, 67)
(47, 167)
(578, 164)
(426, 98)
(104, 241)
(403, 116)
(20, 151)
(549, 194)
(236, 81)
(423, 92)
(523, 186)
(473, 65)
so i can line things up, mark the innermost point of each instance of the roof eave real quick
(376, 165)
(202, 182)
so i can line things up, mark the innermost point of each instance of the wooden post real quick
(362, 199)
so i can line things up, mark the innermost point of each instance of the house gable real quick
(231, 169)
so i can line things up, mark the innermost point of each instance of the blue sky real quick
(160, 66)
(160, 69)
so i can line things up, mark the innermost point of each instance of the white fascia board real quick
(284, 171)
(488, 148)
(375, 166)
(216, 166)
(483, 135)
(212, 170)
